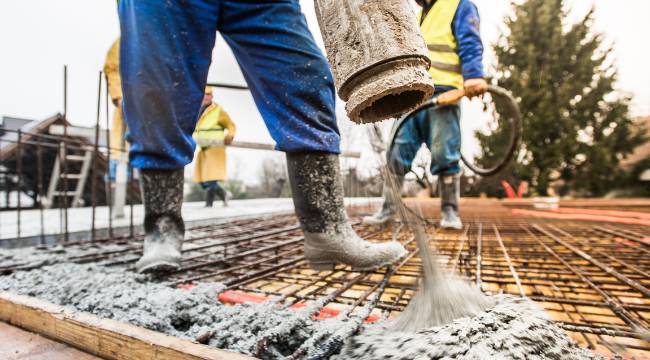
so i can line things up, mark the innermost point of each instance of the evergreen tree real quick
(576, 126)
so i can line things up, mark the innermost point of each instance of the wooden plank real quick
(106, 338)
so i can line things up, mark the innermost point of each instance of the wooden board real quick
(106, 338)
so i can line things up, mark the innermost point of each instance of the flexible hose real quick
(514, 119)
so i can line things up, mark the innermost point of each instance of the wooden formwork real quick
(106, 338)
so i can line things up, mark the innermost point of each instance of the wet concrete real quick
(140, 300)
(441, 298)
(515, 328)
(30, 257)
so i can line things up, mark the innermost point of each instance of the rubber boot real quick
(163, 223)
(449, 187)
(388, 210)
(317, 193)
(209, 198)
(226, 198)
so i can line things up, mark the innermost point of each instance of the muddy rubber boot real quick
(388, 210)
(449, 187)
(317, 193)
(209, 198)
(163, 224)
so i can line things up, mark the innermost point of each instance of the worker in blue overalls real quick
(165, 55)
(451, 31)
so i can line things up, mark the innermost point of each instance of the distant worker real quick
(118, 144)
(451, 31)
(214, 126)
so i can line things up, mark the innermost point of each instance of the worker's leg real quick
(221, 193)
(287, 73)
(165, 53)
(293, 88)
(210, 188)
(406, 142)
(445, 157)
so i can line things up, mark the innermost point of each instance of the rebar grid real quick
(592, 278)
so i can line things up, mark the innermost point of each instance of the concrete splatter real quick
(515, 328)
(442, 298)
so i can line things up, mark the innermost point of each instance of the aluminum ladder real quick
(59, 176)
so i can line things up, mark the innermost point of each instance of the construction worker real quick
(451, 31)
(210, 166)
(112, 73)
(166, 52)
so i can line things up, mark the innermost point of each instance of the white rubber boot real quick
(449, 187)
(329, 239)
(227, 198)
(344, 246)
(388, 210)
(163, 224)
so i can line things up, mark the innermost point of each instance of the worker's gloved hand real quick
(228, 139)
(475, 87)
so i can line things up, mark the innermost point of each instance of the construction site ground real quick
(18, 344)
(586, 263)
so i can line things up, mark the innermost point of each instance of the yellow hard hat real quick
(208, 90)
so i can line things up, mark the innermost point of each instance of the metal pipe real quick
(93, 185)
(109, 201)
(19, 170)
(39, 179)
(65, 153)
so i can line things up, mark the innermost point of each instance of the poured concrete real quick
(514, 328)
(140, 300)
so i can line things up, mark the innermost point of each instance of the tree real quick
(576, 125)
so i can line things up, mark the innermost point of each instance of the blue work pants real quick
(439, 129)
(166, 50)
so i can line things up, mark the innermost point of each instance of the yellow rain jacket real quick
(112, 72)
(210, 163)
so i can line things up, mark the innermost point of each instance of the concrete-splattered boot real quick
(449, 186)
(388, 210)
(317, 193)
(163, 224)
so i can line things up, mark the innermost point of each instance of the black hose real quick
(513, 141)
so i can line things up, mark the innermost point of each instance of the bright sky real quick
(40, 36)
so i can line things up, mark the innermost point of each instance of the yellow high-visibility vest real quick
(208, 127)
(437, 31)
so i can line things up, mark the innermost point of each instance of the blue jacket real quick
(465, 27)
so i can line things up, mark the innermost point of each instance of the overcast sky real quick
(39, 36)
